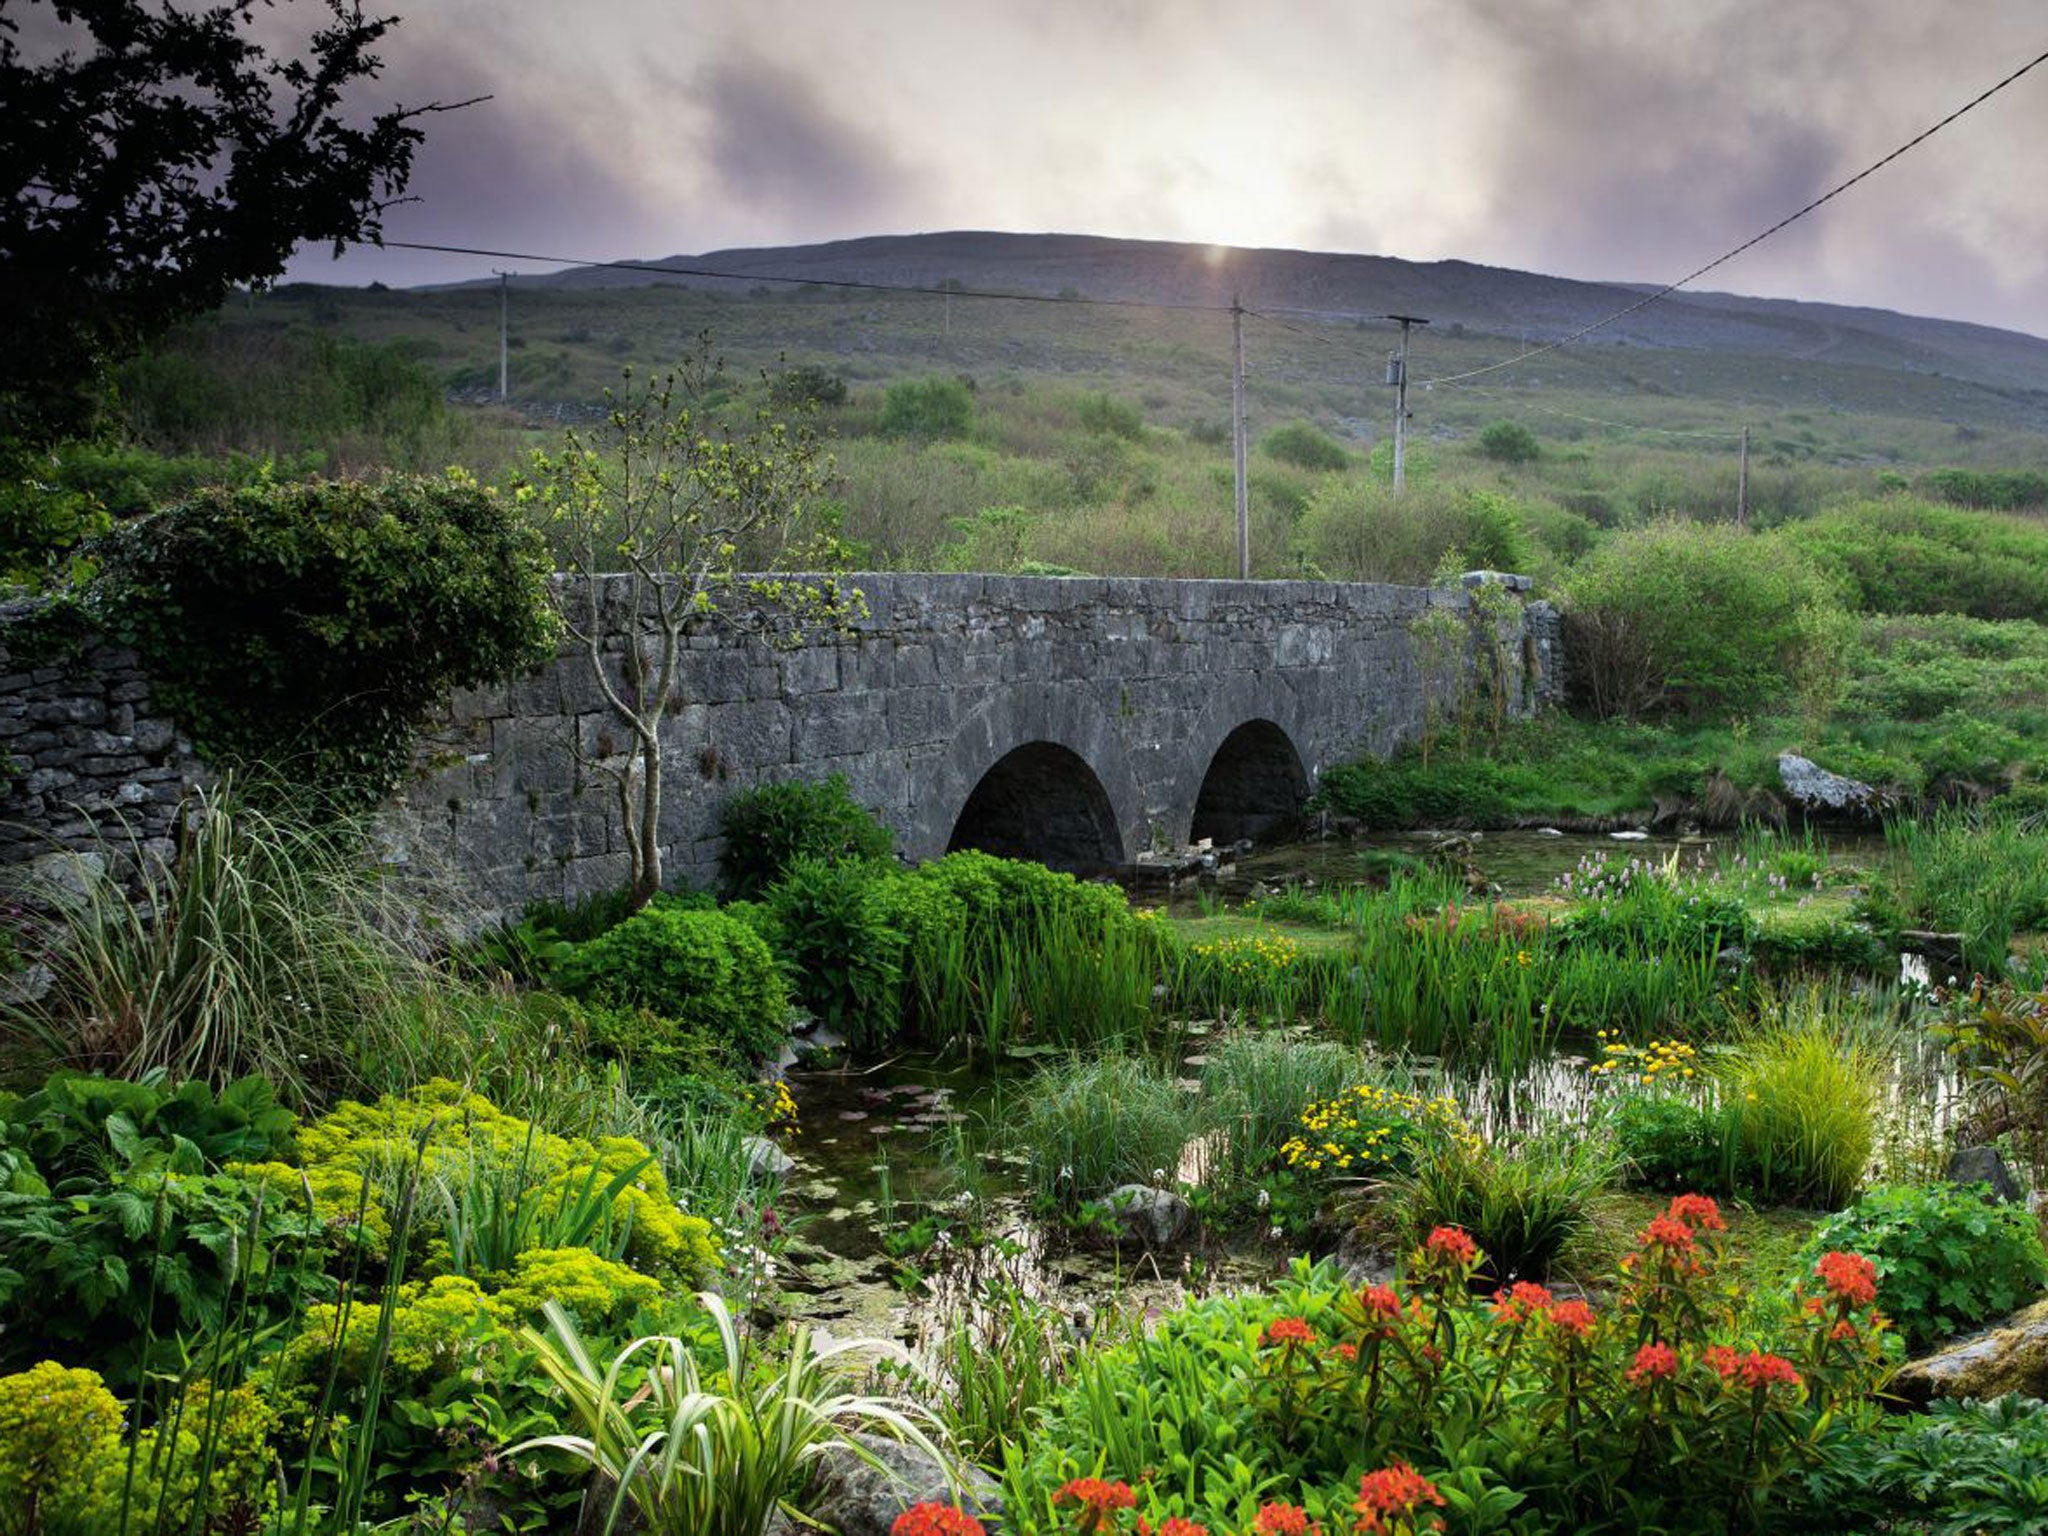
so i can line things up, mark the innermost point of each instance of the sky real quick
(1617, 139)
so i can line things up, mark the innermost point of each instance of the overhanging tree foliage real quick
(153, 157)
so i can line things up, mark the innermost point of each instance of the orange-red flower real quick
(1667, 1233)
(1520, 1302)
(1095, 1497)
(1572, 1317)
(1392, 1493)
(1697, 1212)
(1849, 1277)
(930, 1519)
(1452, 1243)
(1288, 1330)
(1347, 1353)
(1173, 1525)
(1654, 1362)
(1284, 1520)
(1755, 1369)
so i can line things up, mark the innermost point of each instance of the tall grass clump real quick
(1522, 1204)
(1984, 876)
(256, 946)
(1090, 1126)
(1798, 1107)
(1256, 1087)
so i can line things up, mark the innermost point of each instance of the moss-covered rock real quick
(2009, 1356)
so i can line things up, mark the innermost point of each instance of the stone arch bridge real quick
(1076, 720)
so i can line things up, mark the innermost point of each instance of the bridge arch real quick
(1041, 801)
(1253, 787)
(1038, 772)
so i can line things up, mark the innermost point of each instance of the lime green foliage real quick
(313, 628)
(435, 1327)
(1948, 1258)
(1305, 447)
(768, 827)
(712, 1454)
(707, 971)
(598, 1293)
(1685, 619)
(362, 1152)
(1901, 555)
(1090, 1126)
(928, 408)
(54, 1423)
(1508, 442)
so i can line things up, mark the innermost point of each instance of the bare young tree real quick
(658, 515)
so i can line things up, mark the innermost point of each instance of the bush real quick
(2003, 490)
(1509, 442)
(834, 932)
(1902, 556)
(1948, 1257)
(1305, 447)
(1111, 417)
(77, 1126)
(709, 972)
(311, 629)
(928, 408)
(1698, 620)
(769, 826)
(807, 384)
(1960, 1466)
(1361, 531)
(1520, 1411)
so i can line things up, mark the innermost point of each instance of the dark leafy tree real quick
(154, 157)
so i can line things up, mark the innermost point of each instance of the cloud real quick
(776, 147)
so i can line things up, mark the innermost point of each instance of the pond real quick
(910, 1194)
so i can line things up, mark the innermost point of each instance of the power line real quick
(1754, 240)
(676, 270)
(1600, 421)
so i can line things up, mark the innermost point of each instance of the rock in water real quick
(856, 1498)
(2009, 1356)
(1148, 1216)
(1815, 791)
(767, 1160)
(1983, 1165)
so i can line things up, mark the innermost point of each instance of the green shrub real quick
(1509, 442)
(2003, 490)
(1305, 447)
(1948, 1257)
(807, 384)
(1523, 1204)
(1901, 555)
(834, 933)
(707, 971)
(1669, 1143)
(1699, 620)
(928, 408)
(1105, 414)
(1959, 1467)
(769, 826)
(1358, 530)
(77, 1127)
(1088, 1127)
(312, 629)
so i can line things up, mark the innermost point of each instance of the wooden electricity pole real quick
(1742, 484)
(1244, 516)
(1397, 375)
(504, 334)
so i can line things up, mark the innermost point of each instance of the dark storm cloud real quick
(775, 145)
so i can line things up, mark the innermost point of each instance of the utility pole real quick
(1244, 514)
(1397, 375)
(504, 333)
(1742, 484)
